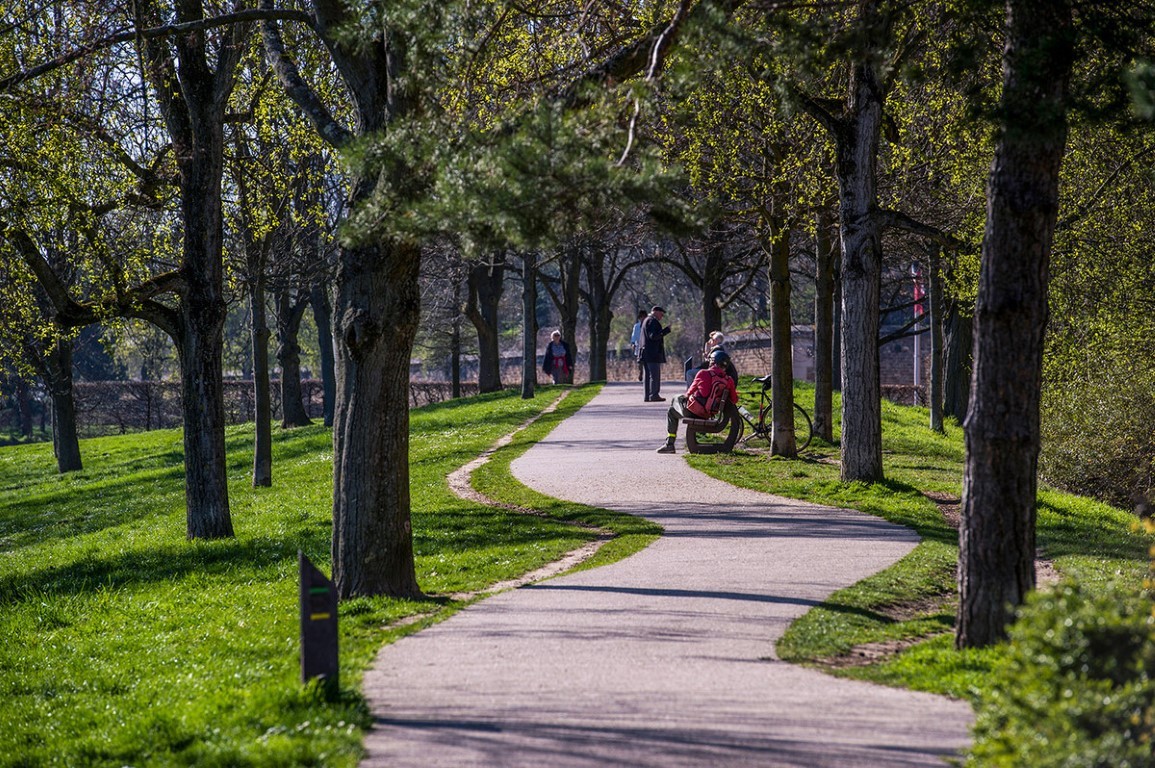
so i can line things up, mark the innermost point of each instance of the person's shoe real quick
(667, 447)
(657, 399)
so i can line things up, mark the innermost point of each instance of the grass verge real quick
(121, 643)
(910, 607)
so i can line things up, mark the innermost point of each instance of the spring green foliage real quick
(501, 148)
(915, 599)
(1098, 407)
(121, 643)
(1076, 686)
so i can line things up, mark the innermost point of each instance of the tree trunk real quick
(377, 308)
(824, 327)
(455, 343)
(836, 339)
(193, 98)
(782, 441)
(959, 343)
(290, 312)
(486, 284)
(997, 537)
(602, 318)
(262, 396)
(598, 297)
(24, 406)
(323, 317)
(58, 370)
(857, 155)
(571, 274)
(713, 273)
(936, 355)
(528, 324)
(200, 329)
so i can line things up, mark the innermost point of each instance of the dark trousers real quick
(652, 379)
(675, 414)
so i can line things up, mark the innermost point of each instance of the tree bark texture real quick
(836, 339)
(566, 297)
(455, 343)
(262, 397)
(529, 324)
(486, 284)
(782, 441)
(65, 442)
(323, 317)
(291, 308)
(824, 328)
(958, 342)
(936, 352)
(202, 317)
(713, 274)
(997, 538)
(377, 307)
(598, 298)
(856, 148)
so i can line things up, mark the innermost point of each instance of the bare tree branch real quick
(166, 30)
(297, 89)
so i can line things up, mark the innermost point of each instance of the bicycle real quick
(722, 432)
(762, 425)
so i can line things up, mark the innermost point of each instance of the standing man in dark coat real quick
(653, 353)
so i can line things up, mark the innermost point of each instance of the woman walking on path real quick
(558, 361)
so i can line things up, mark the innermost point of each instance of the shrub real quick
(1098, 433)
(1077, 687)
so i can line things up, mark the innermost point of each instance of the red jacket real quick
(701, 387)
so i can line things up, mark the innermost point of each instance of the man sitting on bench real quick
(708, 394)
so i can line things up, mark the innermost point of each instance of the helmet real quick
(719, 357)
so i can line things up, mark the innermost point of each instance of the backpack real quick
(711, 404)
(719, 395)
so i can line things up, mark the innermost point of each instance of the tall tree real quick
(997, 536)
(824, 326)
(192, 76)
(529, 324)
(376, 312)
(486, 286)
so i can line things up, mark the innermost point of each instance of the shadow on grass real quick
(173, 563)
(1063, 532)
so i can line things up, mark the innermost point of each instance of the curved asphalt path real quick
(665, 658)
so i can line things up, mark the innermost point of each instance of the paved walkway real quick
(666, 658)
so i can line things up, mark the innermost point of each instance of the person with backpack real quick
(708, 394)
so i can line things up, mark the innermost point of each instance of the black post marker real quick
(318, 626)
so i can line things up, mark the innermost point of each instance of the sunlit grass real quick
(917, 597)
(121, 643)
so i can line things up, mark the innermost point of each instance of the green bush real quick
(1098, 432)
(1077, 687)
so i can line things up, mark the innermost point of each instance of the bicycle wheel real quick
(761, 428)
(802, 437)
(721, 441)
(803, 427)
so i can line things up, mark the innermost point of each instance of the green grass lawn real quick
(915, 600)
(121, 643)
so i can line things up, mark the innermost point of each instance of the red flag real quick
(919, 293)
